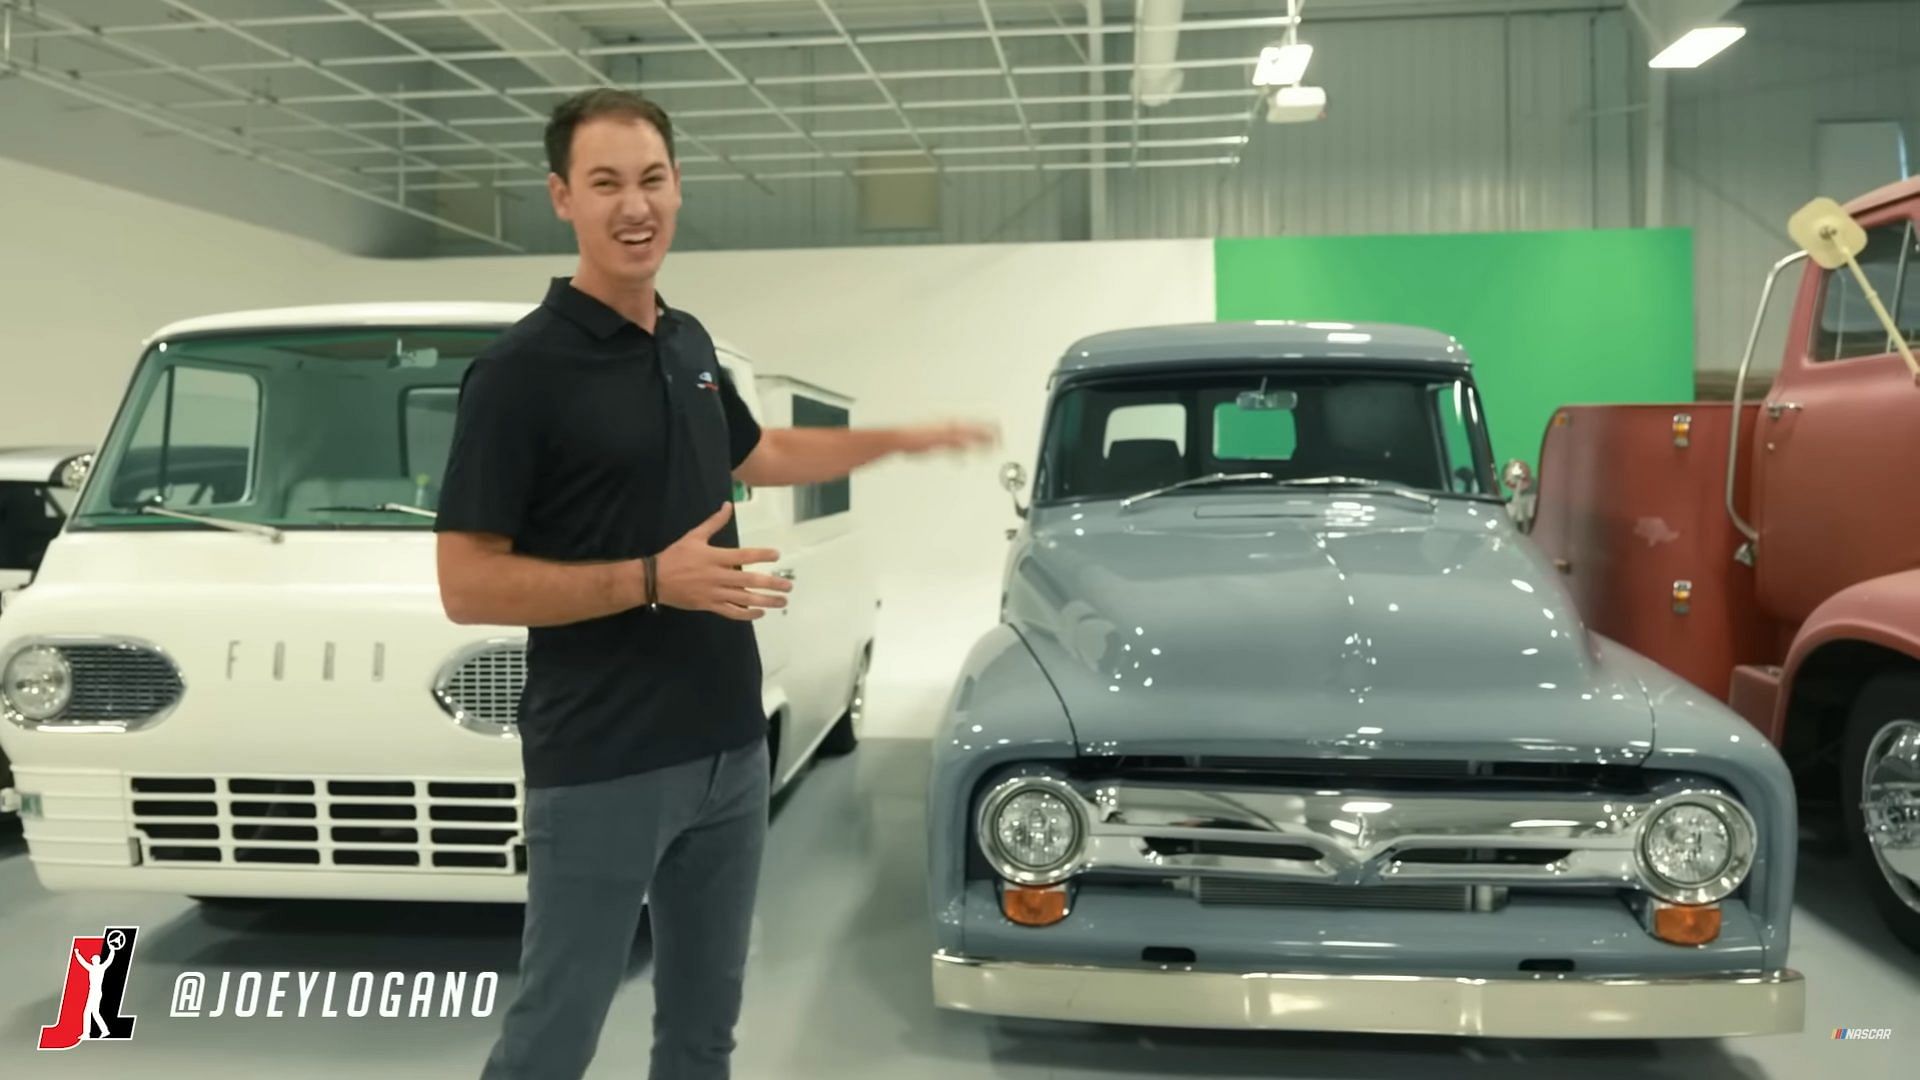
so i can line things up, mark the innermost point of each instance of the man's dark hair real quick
(591, 105)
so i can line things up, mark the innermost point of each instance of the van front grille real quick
(329, 823)
(482, 690)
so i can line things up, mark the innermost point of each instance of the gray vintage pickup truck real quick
(1286, 726)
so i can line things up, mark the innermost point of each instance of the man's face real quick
(622, 195)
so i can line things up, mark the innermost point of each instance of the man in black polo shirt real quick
(587, 498)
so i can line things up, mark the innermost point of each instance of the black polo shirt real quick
(584, 438)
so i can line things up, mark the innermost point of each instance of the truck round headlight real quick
(37, 683)
(1033, 830)
(1696, 849)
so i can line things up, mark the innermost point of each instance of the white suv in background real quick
(35, 499)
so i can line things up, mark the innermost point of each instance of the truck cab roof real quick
(329, 315)
(1346, 344)
(1898, 191)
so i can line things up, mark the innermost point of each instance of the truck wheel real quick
(846, 732)
(1881, 798)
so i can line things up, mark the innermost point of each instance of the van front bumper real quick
(1546, 1006)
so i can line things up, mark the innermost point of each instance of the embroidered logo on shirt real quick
(706, 382)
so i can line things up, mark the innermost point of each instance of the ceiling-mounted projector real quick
(1297, 104)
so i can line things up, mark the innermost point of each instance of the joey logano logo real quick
(96, 984)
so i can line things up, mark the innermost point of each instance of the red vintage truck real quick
(1769, 551)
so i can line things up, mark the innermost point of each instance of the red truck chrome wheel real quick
(1882, 798)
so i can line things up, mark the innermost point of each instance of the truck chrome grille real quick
(1370, 846)
(119, 684)
(372, 823)
(481, 689)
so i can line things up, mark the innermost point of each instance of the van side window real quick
(812, 501)
(1848, 327)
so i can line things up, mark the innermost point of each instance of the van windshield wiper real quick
(1198, 481)
(379, 508)
(1360, 482)
(267, 531)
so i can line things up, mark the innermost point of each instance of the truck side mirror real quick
(1518, 476)
(1013, 477)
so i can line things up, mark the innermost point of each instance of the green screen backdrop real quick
(1549, 318)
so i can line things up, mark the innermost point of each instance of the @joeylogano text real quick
(331, 994)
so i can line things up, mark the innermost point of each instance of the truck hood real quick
(1267, 625)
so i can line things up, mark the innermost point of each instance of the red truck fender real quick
(1855, 634)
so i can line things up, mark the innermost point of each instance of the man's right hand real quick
(697, 576)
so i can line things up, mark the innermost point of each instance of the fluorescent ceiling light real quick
(1282, 65)
(1697, 46)
(1295, 104)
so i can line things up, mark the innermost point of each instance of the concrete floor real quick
(839, 985)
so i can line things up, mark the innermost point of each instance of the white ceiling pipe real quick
(879, 83)
(1155, 79)
(66, 83)
(826, 174)
(758, 136)
(761, 41)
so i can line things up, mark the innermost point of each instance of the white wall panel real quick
(1743, 136)
(1434, 125)
(1439, 124)
(823, 212)
(87, 271)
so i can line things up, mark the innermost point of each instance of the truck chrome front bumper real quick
(1532, 1007)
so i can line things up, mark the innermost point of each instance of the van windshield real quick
(308, 428)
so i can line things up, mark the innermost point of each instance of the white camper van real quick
(233, 677)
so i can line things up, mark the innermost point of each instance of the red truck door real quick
(1839, 435)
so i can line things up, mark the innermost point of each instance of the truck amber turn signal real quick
(1030, 906)
(1686, 924)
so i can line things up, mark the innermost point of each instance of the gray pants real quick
(686, 840)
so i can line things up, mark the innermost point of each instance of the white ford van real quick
(232, 676)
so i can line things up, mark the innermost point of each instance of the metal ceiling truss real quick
(379, 140)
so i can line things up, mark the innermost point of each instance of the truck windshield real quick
(294, 429)
(1120, 436)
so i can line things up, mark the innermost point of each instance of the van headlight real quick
(1033, 830)
(37, 683)
(1696, 847)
